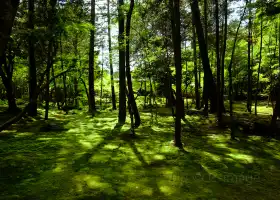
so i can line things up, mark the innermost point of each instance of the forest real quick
(139, 99)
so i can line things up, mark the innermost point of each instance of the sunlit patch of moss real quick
(212, 156)
(86, 144)
(24, 134)
(242, 157)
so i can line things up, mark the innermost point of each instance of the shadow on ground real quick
(92, 158)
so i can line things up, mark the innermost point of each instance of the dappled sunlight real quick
(94, 158)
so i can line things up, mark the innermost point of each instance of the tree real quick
(110, 57)
(51, 52)
(8, 10)
(6, 74)
(197, 95)
(249, 86)
(32, 62)
(131, 100)
(259, 68)
(223, 58)
(219, 113)
(122, 87)
(210, 86)
(176, 38)
(91, 102)
(230, 71)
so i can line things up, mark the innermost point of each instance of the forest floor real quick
(92, 158)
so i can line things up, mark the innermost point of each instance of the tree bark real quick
(64, 75)
(32, 62)
(51, 17)
(219, 112)
(111, 58)
(8, 83)
(122, 87)
(249, 89)
(197, 95)
(92, 108)
(222, 107)
(230, 71)
(210, 86)
(259, 68)
(176, 38)
(8, 10)
(132, 101)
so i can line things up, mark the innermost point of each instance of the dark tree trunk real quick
(219, 113)
(176, 38)
(32, 63)
(122, 87)
(259, 68)
(197, 95)
(230, 72)
(111, 58)
(8, 83)
(92, 108)
(210, 86)
(133, 105)
(51, 15)
(64, 75)
(8, 10)
(222, 107)
(249, 87)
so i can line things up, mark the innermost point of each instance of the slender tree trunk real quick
(111, 57)
(210, 86)
(176, 38)
(122, 87)
(92, 108)
(219, 113)
(249, 91)
(32, 63)
(222, 108)
(8, 83)
(55, 89)
(101, 84)
(64, 75)
(230, 71)
(197, 96)
(259, 68)
(131, 98)
(51, 15)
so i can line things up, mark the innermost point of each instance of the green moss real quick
(93, 159)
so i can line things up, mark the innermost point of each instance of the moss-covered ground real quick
(92, 158)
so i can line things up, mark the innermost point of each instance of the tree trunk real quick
(219, 113)
(249, 91)
(101, 82)
(210, 86)
(64, 75)
(92, 108)
(8, 10)
(132, 101)
(122, 87)
(197, 96)
(230, 71)
(51, 51)
(8, 83)
(176, 38)
(111, 57)
(32, 63)
(259, 68)
(222, 107)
